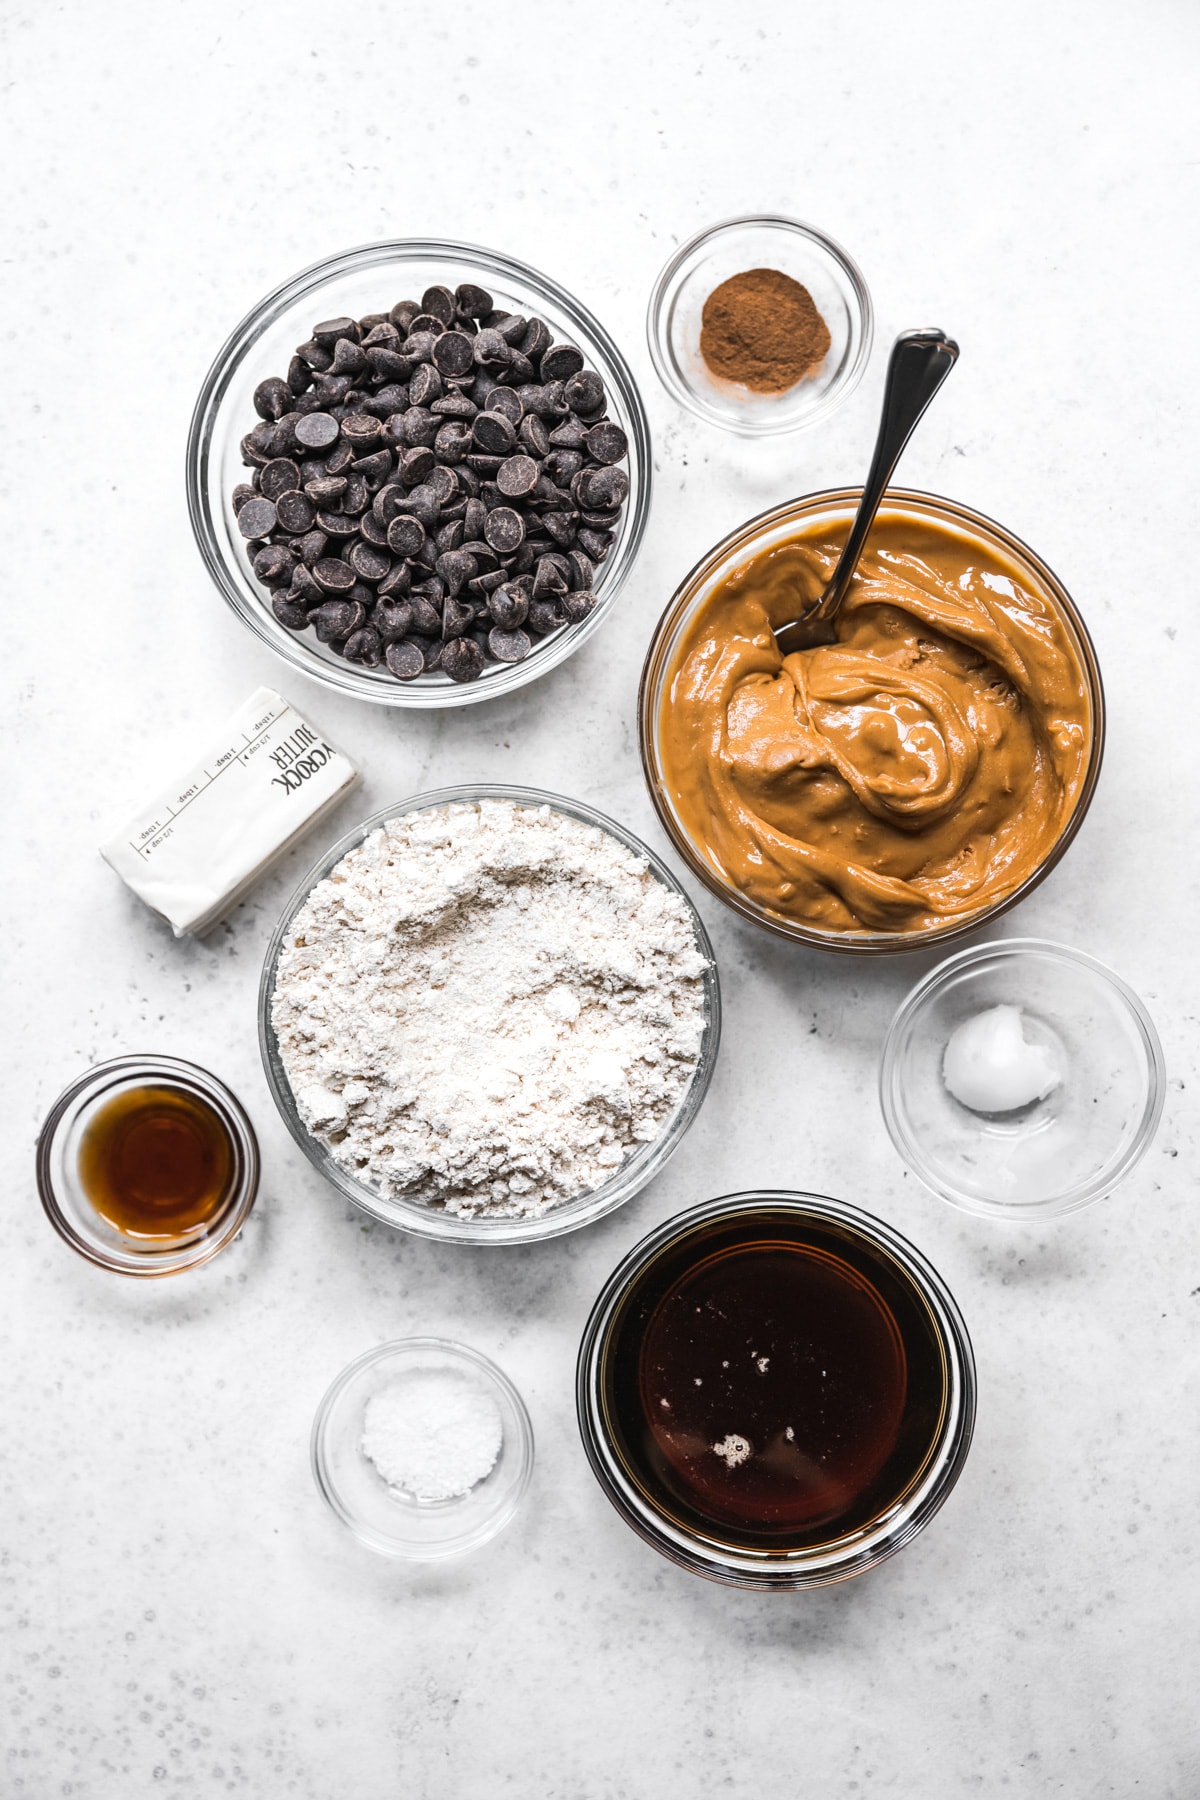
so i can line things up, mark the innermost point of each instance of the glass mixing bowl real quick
(837, 506)
(809, 257)
(373, 279)
(1055, 1154)
(415, 1215)
(936, 1435)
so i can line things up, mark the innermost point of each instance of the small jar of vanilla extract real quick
(147, 1165)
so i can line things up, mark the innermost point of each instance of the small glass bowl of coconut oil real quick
(1022, 1079)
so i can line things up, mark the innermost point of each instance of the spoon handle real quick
(919, 363)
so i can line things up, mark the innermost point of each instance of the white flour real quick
(488, 1007)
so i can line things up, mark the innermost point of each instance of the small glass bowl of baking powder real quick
(422, 1448)
(407, 1213)
(732, 248)
(1080, 1134)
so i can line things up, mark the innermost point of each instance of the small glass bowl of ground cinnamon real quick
(760, 325)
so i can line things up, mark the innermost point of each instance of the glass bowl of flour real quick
(489, 1014)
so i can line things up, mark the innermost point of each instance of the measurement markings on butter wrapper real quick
(227, 760)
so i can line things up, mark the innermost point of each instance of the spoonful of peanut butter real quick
(919, 363)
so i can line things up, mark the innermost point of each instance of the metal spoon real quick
(919, 363)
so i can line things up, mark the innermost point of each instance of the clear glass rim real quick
(821, 1565)
(895, 1116)
(835, 394)
(657, 664)
(488, 1527)
(172, 1071)
(611, 576)
(415, 1216)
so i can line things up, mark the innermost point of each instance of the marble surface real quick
(178, 1612)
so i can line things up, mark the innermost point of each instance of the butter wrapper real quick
(199, 847)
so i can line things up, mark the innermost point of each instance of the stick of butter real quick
(203, 843)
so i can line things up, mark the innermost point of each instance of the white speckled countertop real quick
(178, 1613)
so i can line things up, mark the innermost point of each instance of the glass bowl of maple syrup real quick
(776, 1390)
(147, 1165)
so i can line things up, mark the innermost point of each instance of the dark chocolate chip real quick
(509, 646)
(536, 340)
(274, 562)
(256, 517)
(334, 576)
(440, 302)
(337, 619)
(397, 584)
(454, 406)
(577, 605)
(338, 525)
(473, 302)
(279, 476)
(585, 392)
(365, 646)
(606, 442)
(316, 431)
(272, 398)
(570, 435)
(517, 477)
(328, 333)
(490, 350)
(507, 401)
(405, 535)
(461, 659)
(368, 563)
(493, 433)
(595, 544)
(456, 568)
(315, 355)
(361, 431)
(544, 617)
(453, 441)
(560, 362)
(392, 619)
(504, 529)
(406, 661)
(454, 353)
(533, 435)
(289, 612)
(427, 621)
(349, 358)
(508, 607)
(425, 386)
(417, 464)
(403, 314)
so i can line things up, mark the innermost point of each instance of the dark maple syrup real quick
(157, 1163)
(774, 1379)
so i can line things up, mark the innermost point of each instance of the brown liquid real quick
(775, 1380)
(157, 1163)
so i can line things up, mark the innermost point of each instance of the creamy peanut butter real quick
(912, 774)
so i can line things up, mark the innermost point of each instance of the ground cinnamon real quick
(762, 330)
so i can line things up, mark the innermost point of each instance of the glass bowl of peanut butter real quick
(900, 787)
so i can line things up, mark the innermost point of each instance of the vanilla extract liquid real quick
(773, 1380)
(157, 1163)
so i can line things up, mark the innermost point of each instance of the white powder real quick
(433, 1435)
(489, 1007)
(733, 1449)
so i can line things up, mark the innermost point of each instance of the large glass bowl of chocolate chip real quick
(420, 472)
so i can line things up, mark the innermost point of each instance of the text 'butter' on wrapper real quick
(202, 844)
